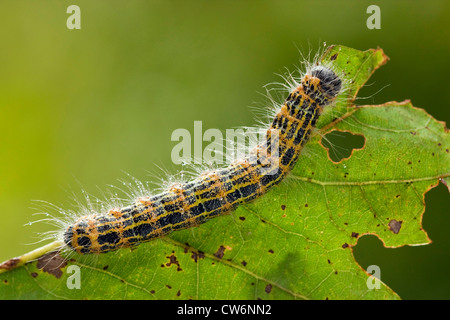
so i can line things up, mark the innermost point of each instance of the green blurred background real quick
(78, 108)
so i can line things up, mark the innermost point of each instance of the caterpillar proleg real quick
(219, 191)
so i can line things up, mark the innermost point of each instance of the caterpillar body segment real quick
(220, 191)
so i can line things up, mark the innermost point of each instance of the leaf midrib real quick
(370, 182)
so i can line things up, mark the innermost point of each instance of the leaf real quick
(296, 241)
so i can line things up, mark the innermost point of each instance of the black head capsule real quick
(330, 84)
(68, 235)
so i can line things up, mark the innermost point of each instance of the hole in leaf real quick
(340, 144)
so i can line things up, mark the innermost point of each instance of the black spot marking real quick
(168, 287)
(84, 242)
(270, 251)
(244, 263)
(283, 207)
(178, 293)
(152, 291)
(105, 267)
(345, 245)
(242, 218)
(355, 235)
(395, 226)
(329, 262)
(333, 57)
(268, 288)
(34, 274)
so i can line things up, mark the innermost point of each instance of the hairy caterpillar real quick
(217, 192)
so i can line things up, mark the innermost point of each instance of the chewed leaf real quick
(294, 242)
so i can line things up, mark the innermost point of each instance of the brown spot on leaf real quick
(395, 226)
(268, 288)
(173, 260)
(355, 235)
(333, 57)
(34, 274)
(52, 263)
(345, 245)
(152, 291)
(220, 252)
(197, 255)
(9, 264)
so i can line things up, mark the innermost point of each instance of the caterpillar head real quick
(330, 84)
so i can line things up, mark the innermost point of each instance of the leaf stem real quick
(30, 256)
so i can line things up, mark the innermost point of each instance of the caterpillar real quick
(216, 192)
